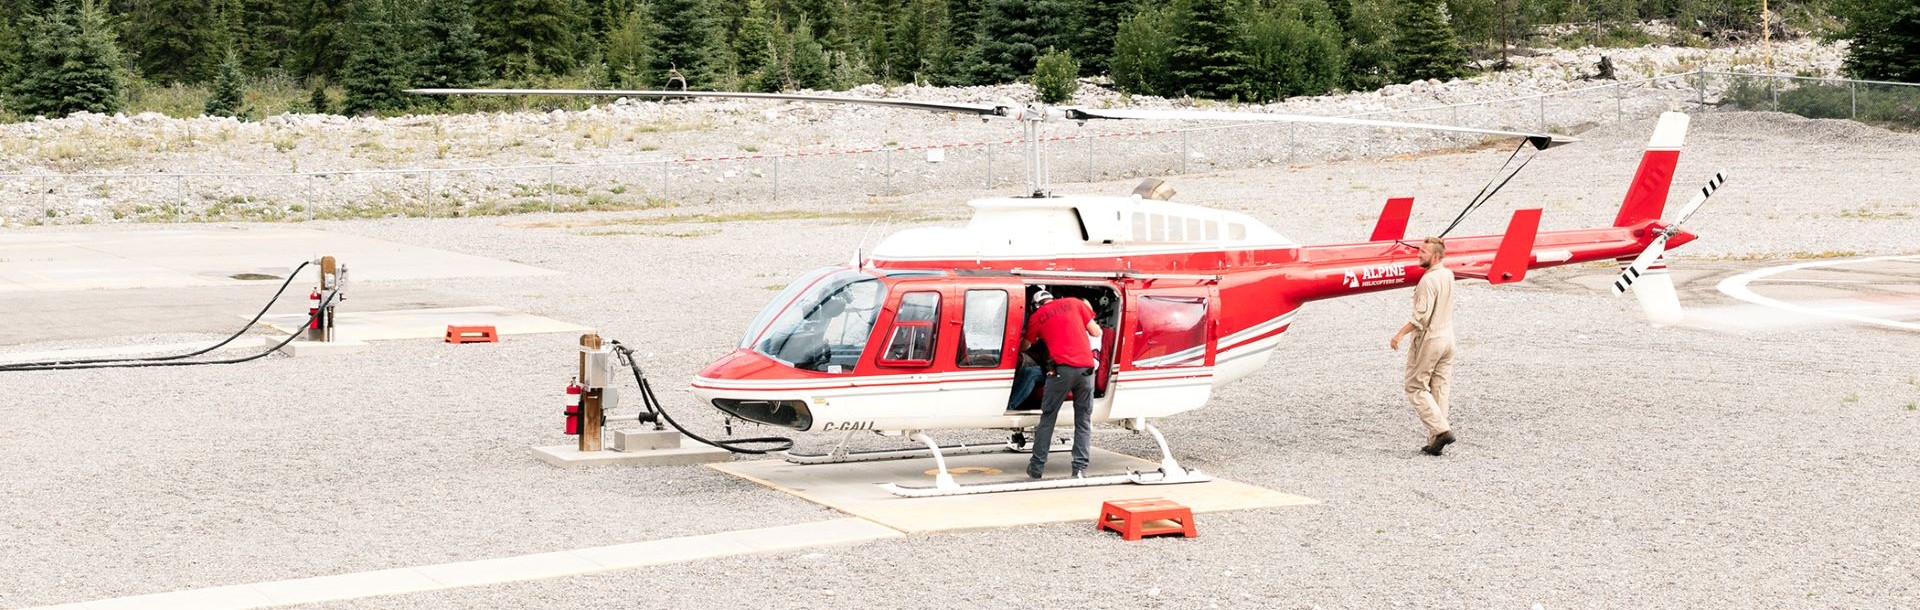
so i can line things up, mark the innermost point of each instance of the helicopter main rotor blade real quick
(1538, 140)
(979, 109)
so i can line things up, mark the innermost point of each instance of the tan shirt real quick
(1433, 304)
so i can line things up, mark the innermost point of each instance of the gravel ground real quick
(1711, 470)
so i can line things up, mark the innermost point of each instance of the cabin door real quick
(1166, 360)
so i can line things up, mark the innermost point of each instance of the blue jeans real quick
(1024, 378)
(1076, 380)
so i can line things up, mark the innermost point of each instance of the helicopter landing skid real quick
(1131, 478)
(1170, 473)
(840, 454)
(898, 454)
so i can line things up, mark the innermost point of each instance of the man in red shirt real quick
(1068, 328)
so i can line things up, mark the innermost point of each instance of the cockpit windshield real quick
(821, 322)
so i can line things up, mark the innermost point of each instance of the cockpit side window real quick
(911, 342)
(826, 325)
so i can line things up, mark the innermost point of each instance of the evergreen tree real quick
(1885, 37)
(685, 35)
(68, 62)
(1142, 51)
(753, 47)
(874, 33)
(318, 101)
(1012, 33)
(1295, 50)
(1369, 43)
(1207, 61)
(450, 54)
(953, 63)
(529, 37)
(923, 37)
(320, 26)
(173, 41)
(376, 67)
(229, 90)
(270, 36)
(1427, 46)
(629, 51)
(809, 67)
(1095, 24)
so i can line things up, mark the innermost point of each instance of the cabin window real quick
(1213, 230)
(983, 328)
(911, 342)
(1236, 231)
(1140, 227)
(1172, 332)
(1157, 227)
(1193, 229)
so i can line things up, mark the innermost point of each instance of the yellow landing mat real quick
(855, 489)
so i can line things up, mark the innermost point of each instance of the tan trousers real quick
(1429, 368)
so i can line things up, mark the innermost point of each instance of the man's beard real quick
(1425, 264)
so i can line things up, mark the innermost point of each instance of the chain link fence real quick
(1075, 153)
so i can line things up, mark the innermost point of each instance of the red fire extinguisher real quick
(313, 310)
(573, 408)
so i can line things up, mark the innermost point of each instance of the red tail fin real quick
(1393, 220)
(1647, 197)
(1516, 249)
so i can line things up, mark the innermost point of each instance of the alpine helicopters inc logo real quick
(1377, 275)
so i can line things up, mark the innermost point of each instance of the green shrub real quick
(1057, 76)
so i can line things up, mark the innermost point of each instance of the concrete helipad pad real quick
(211, 257)
(855, 489)
(425, 323)
(1881, 290)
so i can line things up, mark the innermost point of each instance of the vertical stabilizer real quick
(1647, 196)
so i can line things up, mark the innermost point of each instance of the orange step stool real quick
(472, 334)
(1130, 517)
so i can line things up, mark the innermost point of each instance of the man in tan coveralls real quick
(1430, 357)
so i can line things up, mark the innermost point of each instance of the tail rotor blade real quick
(1640, 264)
(1693, 205)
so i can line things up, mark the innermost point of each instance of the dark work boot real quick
(1034, 471)
(1079, 473)
(1439, 443)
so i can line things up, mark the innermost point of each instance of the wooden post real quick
(589, 399)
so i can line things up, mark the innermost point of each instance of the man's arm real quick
(1093, 325)
(1424, 298)
(1404, 329)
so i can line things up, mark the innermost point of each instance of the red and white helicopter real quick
(923, 334)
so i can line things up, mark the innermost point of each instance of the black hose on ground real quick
(143, 364)
(43, 365)
(653, 405)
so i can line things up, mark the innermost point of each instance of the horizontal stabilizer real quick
(1393, 220)
(1516, 249)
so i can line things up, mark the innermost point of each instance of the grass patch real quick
(1872, 214)
(1850, 398)
(253, 276)
(1775, 256)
